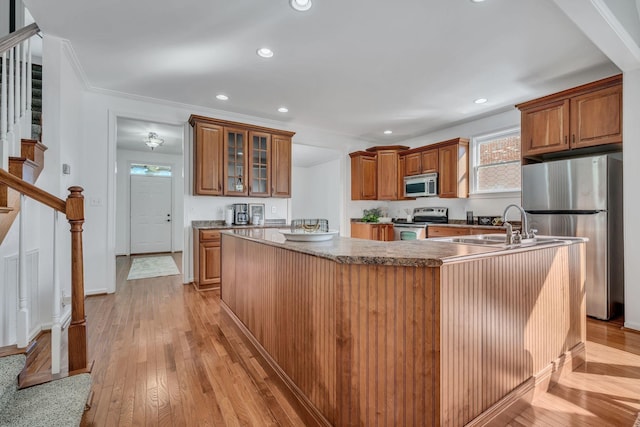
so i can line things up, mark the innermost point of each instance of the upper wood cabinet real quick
(420, 160)
(388, 166)
(259, 164)
(364, 181)
(235, 162)
(238, 159)
(429, 159)
(281, 166)
(545, 129)
(453, 168)
(388, 171)
(208, 143)
(596, 117)
(584, 116)
(413, 163)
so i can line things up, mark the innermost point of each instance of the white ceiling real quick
(353, 67)
(132, 132)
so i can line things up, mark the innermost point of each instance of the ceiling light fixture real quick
(480, 100)
(153, 141)
(388, 132)
(477, 1)
(265, 52)
(222, 97)
(283, 109)
(300, 5)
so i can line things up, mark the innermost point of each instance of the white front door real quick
(151, 221)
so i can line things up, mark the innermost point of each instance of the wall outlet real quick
(273, 209)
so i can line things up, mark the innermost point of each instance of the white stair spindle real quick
(16, 108)
(23, 79)
(29, 79)
(22, 323)
(4, 114)
(12, 91)
(56, 327)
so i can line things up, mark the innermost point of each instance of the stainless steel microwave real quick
(425, 185)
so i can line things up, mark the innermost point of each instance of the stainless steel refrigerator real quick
(583, 197)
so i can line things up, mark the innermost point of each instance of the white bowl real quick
(317, 236)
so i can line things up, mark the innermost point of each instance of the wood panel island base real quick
(410, 332)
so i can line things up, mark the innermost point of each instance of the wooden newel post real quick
(78, 328)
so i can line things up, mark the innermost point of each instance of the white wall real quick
(631, 178)
(4, 18)
(318, 192)
(123, 192)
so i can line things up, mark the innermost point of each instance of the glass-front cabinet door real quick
(259, 164)
(235, 164)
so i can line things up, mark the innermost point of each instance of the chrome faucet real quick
(514, 237)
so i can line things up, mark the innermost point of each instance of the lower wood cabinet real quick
(448, 231)
(206, 259)
(372, 231)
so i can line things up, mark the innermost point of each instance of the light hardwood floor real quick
(164, 355)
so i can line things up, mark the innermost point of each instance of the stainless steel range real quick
(417, 229)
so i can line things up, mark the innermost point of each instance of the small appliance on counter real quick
(417, 229)
(241, 214)
(228, 216)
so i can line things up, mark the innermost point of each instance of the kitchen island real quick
(408, 332)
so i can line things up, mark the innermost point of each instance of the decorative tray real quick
(317, 236)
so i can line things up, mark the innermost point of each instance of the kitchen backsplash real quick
(492, 206)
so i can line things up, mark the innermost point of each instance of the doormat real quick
(155, 266)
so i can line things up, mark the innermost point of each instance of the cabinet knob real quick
(565, 140)
(573, 139)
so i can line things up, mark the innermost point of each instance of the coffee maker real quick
(241, 214)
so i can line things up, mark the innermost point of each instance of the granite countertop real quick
(346, 250)
(218, 224)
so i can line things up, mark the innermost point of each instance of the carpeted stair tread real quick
(10, 367)
(59, 403)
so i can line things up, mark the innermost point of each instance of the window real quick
(150, 170)
(496, 162)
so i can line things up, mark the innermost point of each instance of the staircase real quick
(56, 403)
(26, 398)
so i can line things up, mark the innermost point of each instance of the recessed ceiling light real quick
(477, 1)
(283, 109)
(265, 52)
(300, 5)
(480, 100)
(222, 97)
(388, 132)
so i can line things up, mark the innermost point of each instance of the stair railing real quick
(73, 208)
(15, 91)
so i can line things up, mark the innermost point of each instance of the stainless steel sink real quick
(497, 240)
(473, 241)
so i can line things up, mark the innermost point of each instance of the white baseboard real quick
(632, 325)
(96, 292)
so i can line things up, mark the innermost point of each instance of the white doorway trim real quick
(111, 182)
